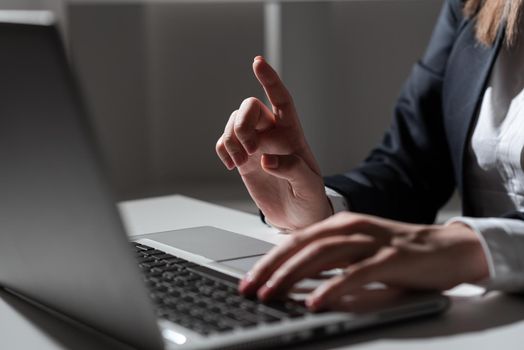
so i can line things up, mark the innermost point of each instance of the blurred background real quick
(162, 77)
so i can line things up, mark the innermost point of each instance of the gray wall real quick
(199, 71)
(347, 72)
(107, 45)
(376, 44)
(21, 4)
(161, 80)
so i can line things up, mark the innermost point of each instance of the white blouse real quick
(494, 170)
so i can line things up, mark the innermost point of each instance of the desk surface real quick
(473, 321)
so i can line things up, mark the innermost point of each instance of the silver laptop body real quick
(62, 243)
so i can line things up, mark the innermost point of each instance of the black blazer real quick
(420, 161)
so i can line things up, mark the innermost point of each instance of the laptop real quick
(63, 246)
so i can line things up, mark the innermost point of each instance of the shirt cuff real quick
(503, 244)
(338, 202)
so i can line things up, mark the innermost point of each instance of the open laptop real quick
(63, 246)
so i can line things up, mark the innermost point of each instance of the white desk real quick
(473, 322)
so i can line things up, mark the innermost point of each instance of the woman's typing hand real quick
(368, 249)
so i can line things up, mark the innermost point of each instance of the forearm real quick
(503, 243)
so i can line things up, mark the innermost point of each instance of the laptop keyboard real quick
(201, 299)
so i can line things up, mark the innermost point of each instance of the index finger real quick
(265, 267)
(278, 95)
(338, 224)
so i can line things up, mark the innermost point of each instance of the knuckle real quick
(317, 248)
(250, 102)
(233, 114)
(393, 252)
(219, 146)
(241, 127)
(354, 220)
(295, 241)
(421, 234)
(321, 247)
(219, 150)
(343, 218)
(229, 141)
(246, 114)
(248, 106)
(343, 215)
(231, 120)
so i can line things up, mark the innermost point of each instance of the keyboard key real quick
(201, 299)
(162, 256)
(148, 265)
(141, 247)
(155, 252)
(146, 259)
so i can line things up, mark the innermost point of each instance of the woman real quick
(459, 123)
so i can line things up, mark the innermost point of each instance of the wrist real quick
(469, 250)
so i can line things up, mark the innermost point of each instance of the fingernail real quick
(310, 302)
(271, 162)
(246, 282)
(242, 287)
(251, 147)
(248, 277)
(259, 58)
(313, 303)
(265, 291)
(230, 165)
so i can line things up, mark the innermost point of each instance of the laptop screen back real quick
(61, 240)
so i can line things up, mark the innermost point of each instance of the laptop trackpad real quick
(212, 243)
(242, 264)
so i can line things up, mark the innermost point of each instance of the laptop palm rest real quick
(229, 248)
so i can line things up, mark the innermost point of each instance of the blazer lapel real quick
(467, 75)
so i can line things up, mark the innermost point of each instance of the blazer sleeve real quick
(409, 176)
(517, 215)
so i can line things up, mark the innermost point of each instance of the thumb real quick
(291, 168)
